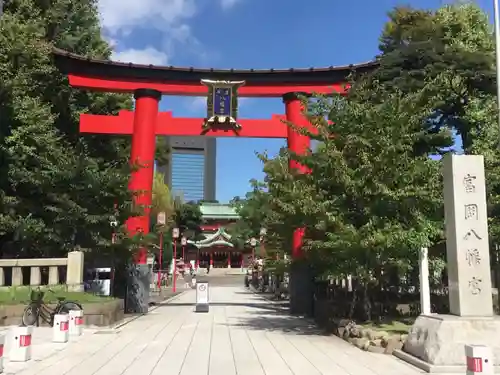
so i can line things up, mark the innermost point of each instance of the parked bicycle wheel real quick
(30, 315)
(67, 306)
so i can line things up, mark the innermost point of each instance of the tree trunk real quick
(353, 304)
(367, 306)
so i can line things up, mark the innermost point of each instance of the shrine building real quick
(216, 248)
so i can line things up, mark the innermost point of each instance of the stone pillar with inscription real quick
(436, 342)
(467, 247)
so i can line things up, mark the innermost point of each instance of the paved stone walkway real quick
(242, 334)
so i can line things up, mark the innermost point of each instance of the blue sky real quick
(246, 34)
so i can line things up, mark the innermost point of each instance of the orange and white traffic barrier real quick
(75, 322)
(20, 349)
(2, 345)
(60, 330)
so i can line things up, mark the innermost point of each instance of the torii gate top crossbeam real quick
(109, 76)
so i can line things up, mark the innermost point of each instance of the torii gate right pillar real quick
(301, 276)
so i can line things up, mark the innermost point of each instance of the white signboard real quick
(162, 218)
(202, 293)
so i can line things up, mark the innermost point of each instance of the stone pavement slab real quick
(242, 334)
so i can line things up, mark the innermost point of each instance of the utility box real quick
(479, 360)
(202, 296)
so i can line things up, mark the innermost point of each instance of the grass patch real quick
(391, 327)
(21, 295)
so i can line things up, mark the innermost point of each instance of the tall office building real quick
(191, 170)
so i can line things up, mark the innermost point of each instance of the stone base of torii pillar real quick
(436, 343)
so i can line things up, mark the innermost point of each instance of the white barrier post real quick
(20, 350)
(75, 322)
(60, 328)
(479, 360)
(2, 344)
(202, 297)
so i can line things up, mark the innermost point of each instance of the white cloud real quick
(148, 55)
(121, 15)
(228, 4)
(171, 18)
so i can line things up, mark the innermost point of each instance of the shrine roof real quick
(219, 238)
(70, 63)
(218, 211)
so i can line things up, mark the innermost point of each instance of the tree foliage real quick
(252, 211)
(188, 219)
(373, 196)
(58, 188)
(447, 56)
(162, 200)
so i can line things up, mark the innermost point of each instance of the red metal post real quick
(174, 276)
(228, 260)
(160, 260)
(142, 161)
(299, 144)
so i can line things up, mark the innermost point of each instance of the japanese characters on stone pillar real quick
(467, 247)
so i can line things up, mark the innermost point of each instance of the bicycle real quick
(39, 309)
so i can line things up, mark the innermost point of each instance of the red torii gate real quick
(148, 83)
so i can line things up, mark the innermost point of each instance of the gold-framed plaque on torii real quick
(222, 105)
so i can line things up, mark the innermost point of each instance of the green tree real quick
(369, 202)
(188, 218)
(252, 211)
(162, 200)
(374, 195)
(447, 56)
(58, 187)
(271, 204)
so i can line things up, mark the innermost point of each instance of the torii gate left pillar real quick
(301, 276)
(141, 182)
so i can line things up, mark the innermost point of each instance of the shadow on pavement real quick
(246, 293)
(259, 306)
(158, 298)
(279, 322)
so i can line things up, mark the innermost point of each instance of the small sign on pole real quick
(161, 218)
(202, 296)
